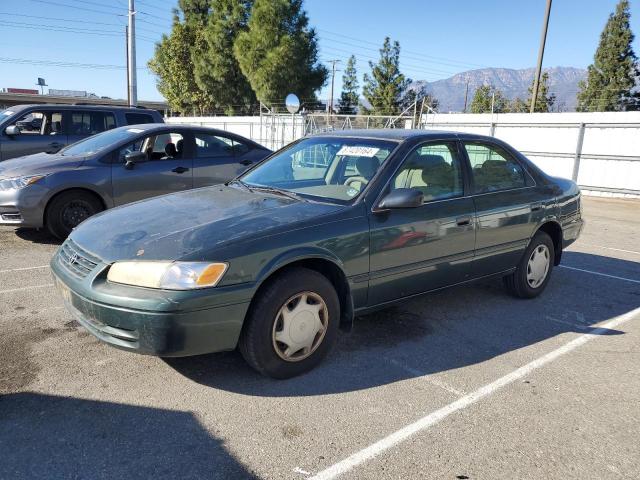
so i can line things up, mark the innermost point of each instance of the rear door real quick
(218, 158)
(507, 203)
(41, 130)
(415, 250)
(168, 169)
(82, 124)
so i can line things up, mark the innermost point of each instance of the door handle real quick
(180, 169)
(245, 162)
(463, 221)
(536, 206)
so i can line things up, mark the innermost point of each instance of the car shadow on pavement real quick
(41, 236)
(44, 436)
(440, 332)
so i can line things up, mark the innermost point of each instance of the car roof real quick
(83, 106)
(388, 133)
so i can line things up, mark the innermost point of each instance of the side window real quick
(138, 118)
(493, 168)
(434, 169)
(208, 145)
(90, 123)
(157, 147)
(240, 148)
(41, 123)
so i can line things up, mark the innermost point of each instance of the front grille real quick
(75, 260)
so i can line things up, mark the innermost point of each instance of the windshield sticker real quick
(352, 192)
(352, 151)
(135, 130)
(7, 113)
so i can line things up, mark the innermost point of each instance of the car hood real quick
(183, 224)
(38, 163)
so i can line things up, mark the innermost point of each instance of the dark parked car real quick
(119, 166)
(277, 260)
(28, 129)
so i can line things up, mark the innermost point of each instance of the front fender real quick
(295, 255)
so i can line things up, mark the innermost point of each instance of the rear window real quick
(90, 123)
(138, 118)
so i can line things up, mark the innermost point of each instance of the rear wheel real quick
(68, 210)
(534, 270)
(291, 325)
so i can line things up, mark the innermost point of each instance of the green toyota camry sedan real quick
(279, 260)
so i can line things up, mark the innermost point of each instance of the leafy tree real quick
(545, 100)
(386, 86)
(173, 65)
(278, 53)
(612, 76)
(217, 71)
(348, 103)
(485, 96)
(517, 105)
(195, 11)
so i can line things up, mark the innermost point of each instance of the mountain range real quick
(450, 92)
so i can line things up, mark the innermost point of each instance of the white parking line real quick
(417, 373)
(23, 269)
(432, 418)
(11, 290)
(610, 248)
(601, 274)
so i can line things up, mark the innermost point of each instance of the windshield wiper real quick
(241, 183)
(278, 191)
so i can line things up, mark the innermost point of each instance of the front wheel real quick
(292, 324)
(534, 270)
(68, 210)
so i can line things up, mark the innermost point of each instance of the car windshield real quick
(100, 141)
(327, 168)
(4, 114)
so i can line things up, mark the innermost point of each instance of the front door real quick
(415, 250)
(168, 169)
(40, 131)
(508, 206)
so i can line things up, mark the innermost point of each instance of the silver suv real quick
(28, 129)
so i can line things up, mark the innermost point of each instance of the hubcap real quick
(538, 266)
(75, 213)
(300, 326)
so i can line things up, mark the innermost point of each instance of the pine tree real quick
(217, 71)
(545, 100)
(386, 86)
(173, 64)
(485, 96)
(278, 53)
(612, 76)
(348, 103)
(517, 105)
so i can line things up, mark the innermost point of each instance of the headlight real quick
(19, 182)
(167, 275)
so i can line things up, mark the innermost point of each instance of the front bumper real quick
(24, 207)
(171, 330)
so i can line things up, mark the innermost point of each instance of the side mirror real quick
(12, 130)
(130, 159)
(402, 198)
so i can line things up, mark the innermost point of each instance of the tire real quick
(264, 326)
(68, 210)
(526, 282)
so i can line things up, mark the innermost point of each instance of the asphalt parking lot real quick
(465, 383)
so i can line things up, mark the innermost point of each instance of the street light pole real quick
(543, 41)
(132, 87)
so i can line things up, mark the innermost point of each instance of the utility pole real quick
(132, 83)
(543, 41)
(493, 100)
(126, 54)
(333, 77)
(466, 94)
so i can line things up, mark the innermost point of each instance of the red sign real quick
(22, 90)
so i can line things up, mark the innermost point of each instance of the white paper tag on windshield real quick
(8, 112)
(352, 151)
(135, 130)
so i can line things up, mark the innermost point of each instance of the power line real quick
(53, 63)
(47, 2)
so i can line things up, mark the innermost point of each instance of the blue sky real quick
(438, 38)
